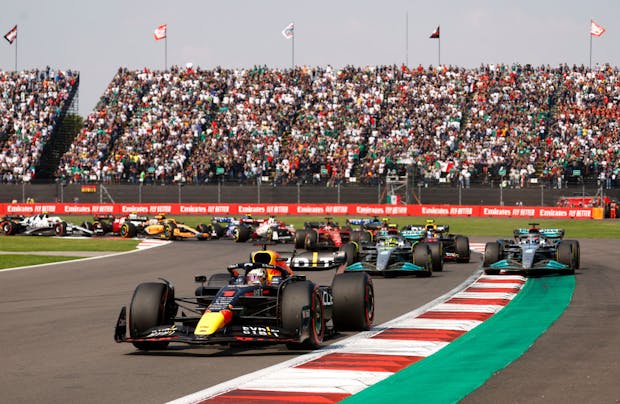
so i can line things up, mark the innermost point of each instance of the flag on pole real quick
(289, 31)
(160, 32)
(595, 29)
(11, 35)
(435, 33)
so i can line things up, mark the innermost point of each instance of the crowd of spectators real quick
(512, 123)
(30, 104)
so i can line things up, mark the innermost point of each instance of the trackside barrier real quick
(538, 212)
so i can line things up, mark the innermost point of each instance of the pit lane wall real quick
(224, 209)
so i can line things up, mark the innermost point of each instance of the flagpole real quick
(590, 45)
(407, 39)
(16, 54)
(293, 49)
(439, 50)
(166, 51)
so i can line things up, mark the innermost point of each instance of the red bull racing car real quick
(261, 301)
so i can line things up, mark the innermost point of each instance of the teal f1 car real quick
(393, 255)
(532, 251)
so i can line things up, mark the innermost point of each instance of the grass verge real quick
(22, 260)
(41, 243)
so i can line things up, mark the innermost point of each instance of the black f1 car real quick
(261, 301)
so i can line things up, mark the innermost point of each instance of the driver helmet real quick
(392, 241)
(257, 277)
(160, 217)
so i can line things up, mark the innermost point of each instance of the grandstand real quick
(515, 124)
(36, 108)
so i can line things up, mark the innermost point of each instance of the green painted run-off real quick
(464, 365)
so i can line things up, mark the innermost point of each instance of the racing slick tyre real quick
(169, 231)
(128, 230)
(152, 305)
(365, 237)
(60, 229)
(492, 253)
(297, 298)
(436, 256)
(566, 256)
(218, 229)
(351, 253)
(300, 239)
(355, 235)
(354, 301)
(205, 231)
(203, 228)
(577, 252)
(8, 228)
(312, 238)
(422, 258)
(241, 234)
(101, 228)
(461, 247)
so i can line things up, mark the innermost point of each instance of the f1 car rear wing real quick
(360, 221)
(222, 219)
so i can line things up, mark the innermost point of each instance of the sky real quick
(96, 38)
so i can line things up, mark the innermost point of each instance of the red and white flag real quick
(11, 35)
(289, 31)
(595, 29)
(160, 32)
(435, 33)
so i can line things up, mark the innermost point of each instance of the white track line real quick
(291, 376)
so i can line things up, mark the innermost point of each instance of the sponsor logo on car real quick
(162, 332)
(260, 331)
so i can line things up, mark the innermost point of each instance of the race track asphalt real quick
(58, 322)
(578, 359)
